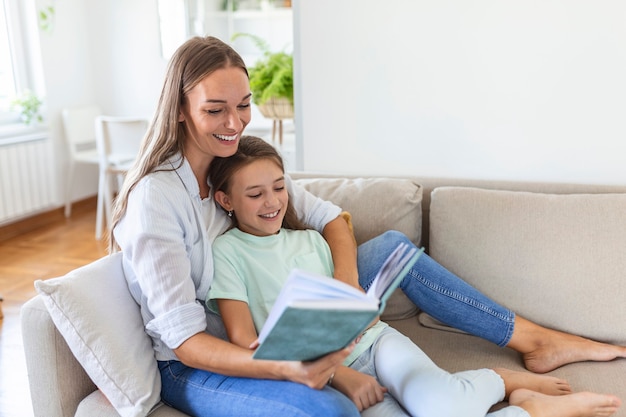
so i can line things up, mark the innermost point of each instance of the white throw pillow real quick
(101, 323)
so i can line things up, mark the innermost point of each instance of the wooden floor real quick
(46, 252)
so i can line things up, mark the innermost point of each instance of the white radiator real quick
(26, 176)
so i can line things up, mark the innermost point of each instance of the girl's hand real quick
(362, 389)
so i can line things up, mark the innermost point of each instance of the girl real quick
(254, 258)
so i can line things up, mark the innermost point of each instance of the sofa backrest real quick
(428, 184)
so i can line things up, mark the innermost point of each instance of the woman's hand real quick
(362, 389)
(316, 374)
(204, 351)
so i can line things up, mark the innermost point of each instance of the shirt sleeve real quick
(312, 210)
(152, 237)
(227, 281)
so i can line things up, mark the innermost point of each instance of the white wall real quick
(106, 53)
(532, 90)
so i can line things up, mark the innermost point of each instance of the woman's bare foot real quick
(580, 404)
(549, 385)
(544, 350)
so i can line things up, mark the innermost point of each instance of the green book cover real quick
(315, 315)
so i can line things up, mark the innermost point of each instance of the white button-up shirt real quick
(166, 236)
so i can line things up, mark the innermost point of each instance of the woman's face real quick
(215, 113)
(258, 197)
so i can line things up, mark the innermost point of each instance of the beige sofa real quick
(553, 252)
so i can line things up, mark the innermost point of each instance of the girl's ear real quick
(223, 200)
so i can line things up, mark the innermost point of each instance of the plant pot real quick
(277, 108)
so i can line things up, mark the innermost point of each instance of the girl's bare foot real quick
(544, 350)
(580, 404)
(549, 385)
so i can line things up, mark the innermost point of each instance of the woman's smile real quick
(226, 138)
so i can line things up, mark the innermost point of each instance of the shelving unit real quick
(261, 18)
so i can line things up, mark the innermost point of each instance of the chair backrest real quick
(78, 126)
(119, 138)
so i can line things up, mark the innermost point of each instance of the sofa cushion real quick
(376, 205)
(558, 260)
(459, 352)
(101, 323)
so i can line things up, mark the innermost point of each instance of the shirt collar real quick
(185, 173)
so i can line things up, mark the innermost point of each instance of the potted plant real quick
(271, 80)
(28, 105)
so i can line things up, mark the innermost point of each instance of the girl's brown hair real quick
(197, 58)
(251, 148)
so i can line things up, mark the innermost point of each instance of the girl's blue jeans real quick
(439, 292)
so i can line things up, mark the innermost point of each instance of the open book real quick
(315, 315)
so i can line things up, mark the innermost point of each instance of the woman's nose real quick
(233, 121)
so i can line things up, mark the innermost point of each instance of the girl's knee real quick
(394, 237)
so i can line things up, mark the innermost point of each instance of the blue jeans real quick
(202, 393)
(439, 292)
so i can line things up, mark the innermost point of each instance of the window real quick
(14, 70)
(172, 18)
(7, 82)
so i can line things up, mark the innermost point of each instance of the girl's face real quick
(258, 197)
(215, 112)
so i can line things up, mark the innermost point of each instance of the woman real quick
(164, 223)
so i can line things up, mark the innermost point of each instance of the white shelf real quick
(273, 24)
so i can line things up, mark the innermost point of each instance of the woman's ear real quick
(181, 113)
(223, 200)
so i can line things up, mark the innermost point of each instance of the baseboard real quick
(46, 218)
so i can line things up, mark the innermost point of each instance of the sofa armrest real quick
(57, 381)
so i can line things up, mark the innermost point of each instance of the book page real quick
(390, 269)
(314, 289)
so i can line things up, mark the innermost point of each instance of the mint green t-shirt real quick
(253, 269)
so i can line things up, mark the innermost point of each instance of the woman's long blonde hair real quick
(192, 62)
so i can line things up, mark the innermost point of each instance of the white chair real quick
(118, 140)
(81, 139)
